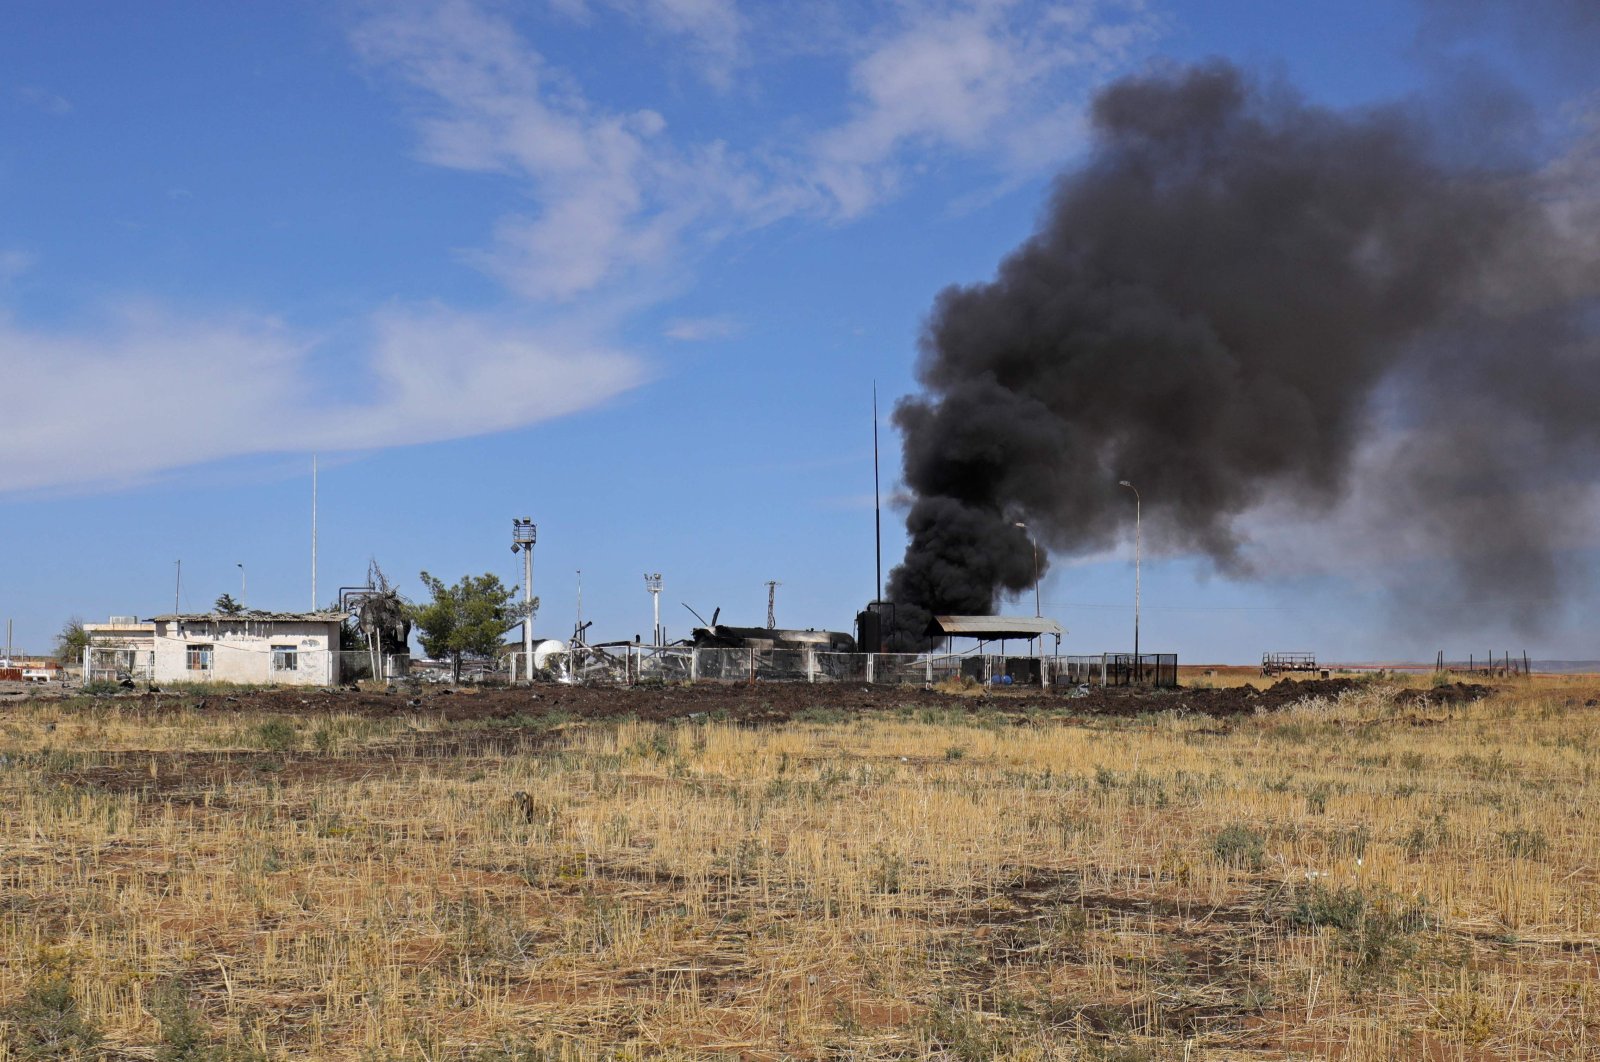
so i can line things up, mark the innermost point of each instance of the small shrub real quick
(1523, 843)
(184, 1035)
(1427, 837)
(277, 735)
(46, 1022)
(1239, 846)
(954, 752)
(1372, 930)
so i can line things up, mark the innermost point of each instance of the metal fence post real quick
(930, 669)
(751, 656)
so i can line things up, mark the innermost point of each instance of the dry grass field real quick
(1372, 877)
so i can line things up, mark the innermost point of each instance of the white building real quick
(295, 648)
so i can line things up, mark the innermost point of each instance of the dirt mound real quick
(1451, 693)
(1232, 700)
(774, 702)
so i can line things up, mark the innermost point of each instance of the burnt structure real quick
(723, 636)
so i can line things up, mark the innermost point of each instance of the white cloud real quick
(14, 262)
(149, 391)
(618, 198)
(701, 329)
(714, 29)
(44, 100)
(491, 104)
(993, 77)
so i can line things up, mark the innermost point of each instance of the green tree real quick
(71, 641)
(470, 617)
(227, 605)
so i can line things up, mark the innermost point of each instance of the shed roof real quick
(995, 627)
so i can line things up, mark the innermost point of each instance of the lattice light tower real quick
(523, 535)
(652, 583)
(772, 603)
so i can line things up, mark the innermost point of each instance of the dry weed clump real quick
(1366, 877)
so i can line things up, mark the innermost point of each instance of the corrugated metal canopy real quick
(991, 628)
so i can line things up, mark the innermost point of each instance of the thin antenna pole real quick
(313, 532)
(877, 505)
(177, 588)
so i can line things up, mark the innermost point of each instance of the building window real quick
(284, 658)
(199, 658)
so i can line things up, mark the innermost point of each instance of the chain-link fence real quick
(1121, 669)
(633, 664)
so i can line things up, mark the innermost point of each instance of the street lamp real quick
(652, 583)
(244, 586)
(1137, 505)
(1037, 613)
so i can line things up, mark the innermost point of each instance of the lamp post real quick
(244, 585)
(652, 583)
(1037, 613)
(1137, 505)
(523, 536)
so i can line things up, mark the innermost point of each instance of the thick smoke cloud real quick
(1237, 295)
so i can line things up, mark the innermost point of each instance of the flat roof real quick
(990, 628)
(259, 617)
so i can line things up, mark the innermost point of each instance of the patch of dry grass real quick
(1346, 879)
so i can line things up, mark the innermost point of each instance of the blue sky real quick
(630, 267)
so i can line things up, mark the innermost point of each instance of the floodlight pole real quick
(652, 583)
(523, 536)
(1137, 505)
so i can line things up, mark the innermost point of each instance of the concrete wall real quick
(241, 651)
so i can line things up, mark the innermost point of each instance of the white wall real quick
(242, 651)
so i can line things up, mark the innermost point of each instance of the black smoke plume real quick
(1238, 298)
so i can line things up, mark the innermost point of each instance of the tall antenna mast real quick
(877, 505)
(772, 600)
(177, 588)
(313, 532)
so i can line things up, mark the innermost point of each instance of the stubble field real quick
(1373, 872)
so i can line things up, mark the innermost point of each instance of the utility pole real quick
(1137, 504)
(523, 536)
(652, 583)
(177, 588)
(244, 585)
(877, 504)
(772, 600)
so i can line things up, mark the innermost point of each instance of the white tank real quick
(543, 651)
